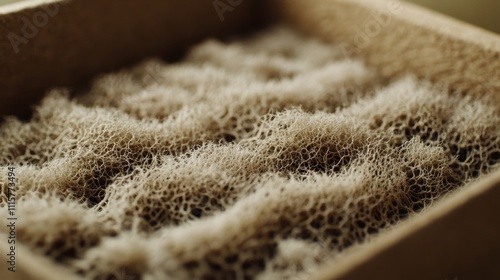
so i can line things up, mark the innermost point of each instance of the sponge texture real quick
(255, 159)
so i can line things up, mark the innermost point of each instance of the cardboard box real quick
(68, 43)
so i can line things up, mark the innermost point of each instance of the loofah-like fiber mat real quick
(256, 159)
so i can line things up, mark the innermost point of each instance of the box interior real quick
(462, 61)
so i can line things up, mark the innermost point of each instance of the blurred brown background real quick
(8, 1)
(483, 13)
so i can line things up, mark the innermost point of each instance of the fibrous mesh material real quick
(255, 159)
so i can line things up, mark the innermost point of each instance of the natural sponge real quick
(258, 158)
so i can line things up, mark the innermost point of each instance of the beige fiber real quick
(258, 158)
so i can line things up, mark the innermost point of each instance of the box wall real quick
(456, 239)
(66, 43)
(398, 38)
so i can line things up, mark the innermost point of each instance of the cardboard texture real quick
(456, 239)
